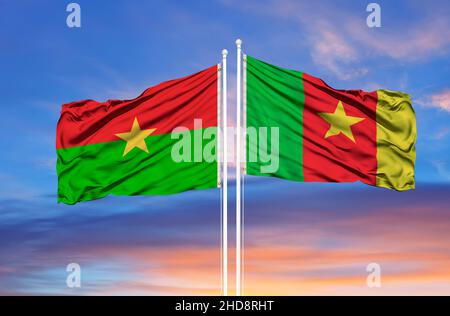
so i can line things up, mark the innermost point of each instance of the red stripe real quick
(337, 158)
(165, 106)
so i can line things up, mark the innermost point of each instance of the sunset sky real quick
(300, 238)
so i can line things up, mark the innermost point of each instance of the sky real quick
(300, 238)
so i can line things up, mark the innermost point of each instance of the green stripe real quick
(275, 98)
(95, 171)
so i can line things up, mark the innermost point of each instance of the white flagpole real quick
(225, 177)
(238, 170)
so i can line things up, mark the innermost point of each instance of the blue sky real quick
(124, 47)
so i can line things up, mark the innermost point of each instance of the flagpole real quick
(238, 169)
(225, 177)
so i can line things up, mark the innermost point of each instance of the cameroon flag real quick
(162, 142)
(300, 129)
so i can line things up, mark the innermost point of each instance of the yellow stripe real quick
(396, 141)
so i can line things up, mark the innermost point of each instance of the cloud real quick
(296, 242)
(329, 48)
(332, 51)
(341, 42)
(442, 169)
(421, 40)
(442, 133)
(440, 100)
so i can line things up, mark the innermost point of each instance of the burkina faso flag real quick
(127, 147)
(321, 134)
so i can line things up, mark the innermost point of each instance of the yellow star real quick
(340, 122)
(135, 137)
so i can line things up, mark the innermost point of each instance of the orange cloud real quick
(411, 249)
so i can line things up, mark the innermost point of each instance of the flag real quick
(321, 134)
(130, 147)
